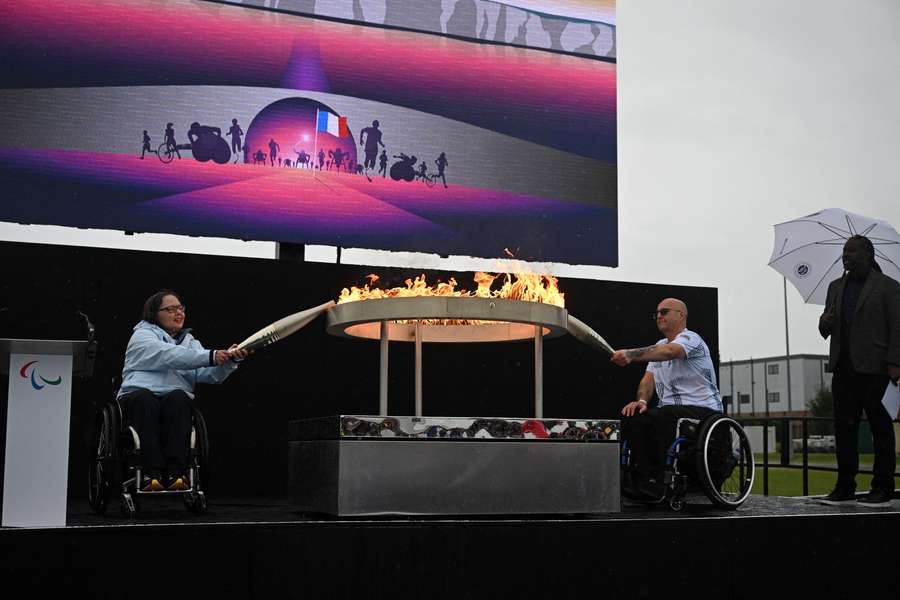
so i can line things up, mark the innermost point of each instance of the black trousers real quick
(163, 423)
(854, 393)
(650, 434)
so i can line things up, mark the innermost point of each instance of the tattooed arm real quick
(656, 353)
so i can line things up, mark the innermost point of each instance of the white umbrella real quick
(808, 250)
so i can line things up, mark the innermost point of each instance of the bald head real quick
(674, 303)
(671, 317)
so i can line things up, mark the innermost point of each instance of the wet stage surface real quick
(247, 511)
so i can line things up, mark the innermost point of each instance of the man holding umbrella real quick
(862, 316)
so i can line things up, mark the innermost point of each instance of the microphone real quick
(87, 321)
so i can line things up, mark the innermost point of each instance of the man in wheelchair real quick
(681, 372)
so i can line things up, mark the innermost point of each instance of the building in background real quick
(759, 386)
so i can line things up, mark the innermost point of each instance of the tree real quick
(821, 405)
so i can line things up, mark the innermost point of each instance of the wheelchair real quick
(115, 464)
(712, 456)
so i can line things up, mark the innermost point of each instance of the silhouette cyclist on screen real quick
(169, 138)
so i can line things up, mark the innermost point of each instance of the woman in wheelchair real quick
(163, 363)
(681, 372)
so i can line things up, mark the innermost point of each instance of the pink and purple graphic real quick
(297, 130)
(336, 162)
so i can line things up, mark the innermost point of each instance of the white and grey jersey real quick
(688, 381)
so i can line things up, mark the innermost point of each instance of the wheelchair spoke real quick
(725, 462)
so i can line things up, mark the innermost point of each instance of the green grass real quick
(789, 482)
(865, 460)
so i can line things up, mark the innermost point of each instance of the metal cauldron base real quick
(359, 476)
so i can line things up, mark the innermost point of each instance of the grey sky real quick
(733, 116)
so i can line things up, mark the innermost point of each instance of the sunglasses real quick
(665, 311)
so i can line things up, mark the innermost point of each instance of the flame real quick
(527, 287)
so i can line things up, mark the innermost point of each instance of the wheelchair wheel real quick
(165, 153)
(200, 452)
(724, 461)
(103, 461)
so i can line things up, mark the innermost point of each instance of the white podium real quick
(36, 470)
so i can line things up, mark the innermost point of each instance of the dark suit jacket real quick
(875, 333)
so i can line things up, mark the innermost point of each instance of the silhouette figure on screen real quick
(235, 132)
(302, 159)
(321, 159)
(338, 156)
(259, 157)
(273, 151)
(441, 163)
(423, 170)
(402, 170)
(169, 140)
(372, 141)
(207, 143)
(382, 163)
(146, 145)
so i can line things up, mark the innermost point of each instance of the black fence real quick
(785, 428)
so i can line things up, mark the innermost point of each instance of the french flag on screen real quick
(331, 123)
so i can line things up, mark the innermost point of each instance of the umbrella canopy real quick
(808, 250)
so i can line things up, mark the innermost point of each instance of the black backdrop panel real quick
(312, 373)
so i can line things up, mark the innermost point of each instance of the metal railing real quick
(786, 449)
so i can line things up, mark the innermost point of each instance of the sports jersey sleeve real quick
(692, 343)
(653, 366)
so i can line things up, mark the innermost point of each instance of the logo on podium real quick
(34, 376)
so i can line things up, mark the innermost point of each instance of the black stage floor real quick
(259, 548)
(249, 511)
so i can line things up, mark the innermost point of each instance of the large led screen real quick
(464, 127)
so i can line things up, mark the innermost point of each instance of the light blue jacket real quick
(155, 361)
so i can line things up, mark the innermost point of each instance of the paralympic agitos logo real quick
(33, 376)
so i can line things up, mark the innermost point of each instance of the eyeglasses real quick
(665, 311)
(178, 308)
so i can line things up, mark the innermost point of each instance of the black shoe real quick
(651, 491)
(630, 491)
(838, 496)
(876, 499)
